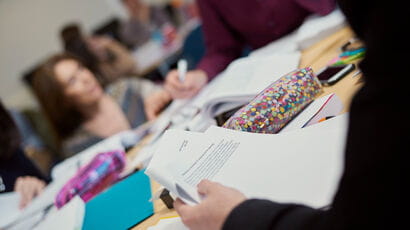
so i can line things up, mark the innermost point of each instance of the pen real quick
(357, 73)
(182, 68)
(325, 118)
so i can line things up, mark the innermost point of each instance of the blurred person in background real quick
(17, 172)
(107, 58)
(143, 22)
(231, 26)
(82, 113)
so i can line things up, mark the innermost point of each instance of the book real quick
(299, 166)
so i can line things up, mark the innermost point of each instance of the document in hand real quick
(302, 166)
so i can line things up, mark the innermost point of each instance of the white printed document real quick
(300, 166)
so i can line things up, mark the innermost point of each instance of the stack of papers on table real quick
(301, 166)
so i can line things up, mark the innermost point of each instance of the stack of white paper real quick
(301, 166)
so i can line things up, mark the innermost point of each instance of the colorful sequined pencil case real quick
(103, 170)
(277, 104)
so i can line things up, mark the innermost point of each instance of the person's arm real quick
(19, 173)
(265, 214)
(320, 7)
(222, 45)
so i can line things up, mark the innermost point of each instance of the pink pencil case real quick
(103, 170)
(277, 104)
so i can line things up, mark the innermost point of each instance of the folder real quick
(122, 206)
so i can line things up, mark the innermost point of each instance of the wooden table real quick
(317, 56)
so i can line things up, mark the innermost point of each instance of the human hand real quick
(155, 102)
(212, 212)
(28, 187)
(194, 81)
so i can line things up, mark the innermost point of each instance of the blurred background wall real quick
(29, 32)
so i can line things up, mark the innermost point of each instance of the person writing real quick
(371, 192)
(230, 26)
(17, 172)
(82, 113)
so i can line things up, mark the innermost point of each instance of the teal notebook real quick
(122, 206)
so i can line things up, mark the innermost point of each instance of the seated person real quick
(143, 20)
(17, 172)
(82, 113)
(109, 59)
(230, 26)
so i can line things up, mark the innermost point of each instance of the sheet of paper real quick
(332, 107)
(301, 166)
(9, 208)
(27, 223)
(328, 105)
(72, 215)
(174, 144)
(174, 223)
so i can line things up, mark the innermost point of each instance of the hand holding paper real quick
(218, 202)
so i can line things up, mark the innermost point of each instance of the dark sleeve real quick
(222, 45)
(320, 7)
(264, 214)
(18, 166)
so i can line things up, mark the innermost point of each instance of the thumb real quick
(182, 209)
(206, 186)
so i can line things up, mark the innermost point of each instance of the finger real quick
(182, 209)
(40, 185)
(176, 94)
(173, 81)
(17, 185)
(25, 193)
(187, 93)
(205, 187)
(31, 187)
